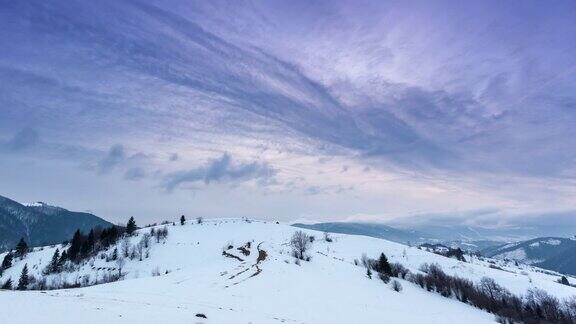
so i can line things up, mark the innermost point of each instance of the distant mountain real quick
(466, 233)
(41, 224)
(553, 253)
(472, 246)
(466, 238)
(373, 230)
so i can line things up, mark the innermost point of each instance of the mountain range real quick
(465, 238)
(405, 236)
(554, 253)
(40, 223)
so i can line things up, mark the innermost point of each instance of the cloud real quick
(24, 139)
(221, 170)
(116, 155)
(378, 85)
(135, 174)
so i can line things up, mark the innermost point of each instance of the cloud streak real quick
(113, 157)
(24, 139)
(221, 170)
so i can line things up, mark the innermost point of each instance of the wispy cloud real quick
(135, 174)
(221, 170)
(114, 157)
(24, 139)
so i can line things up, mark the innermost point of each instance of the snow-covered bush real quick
(300, 243)
(396, 286)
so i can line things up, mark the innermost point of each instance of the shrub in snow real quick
(161, 234)
(424, 267)
(396, 286)
(398, 270)
(199, 220)
(384, 277)
(366, 262)
(300, 243)
(327, 237)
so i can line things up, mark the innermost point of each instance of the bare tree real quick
(145, 240)
(366, 262)
(120, 262)
(140, 250)
(300, 243)
(491, 288)
(125, 247)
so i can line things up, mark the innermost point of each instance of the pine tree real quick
(21, 249)
(368, 272)
(62, 260)
(53, 267)
(383, 265)
(7, 262)
(85, 249)
(75, 246)
(24, 280)
(91, 241)
(131, 226)
(7, 284)
(182, 220)
(564, 281)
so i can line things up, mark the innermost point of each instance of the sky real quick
(291, 110)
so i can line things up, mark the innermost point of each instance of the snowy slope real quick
(329, 289)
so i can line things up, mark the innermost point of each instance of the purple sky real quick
(292, 110)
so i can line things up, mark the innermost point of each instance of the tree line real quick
(537, 306)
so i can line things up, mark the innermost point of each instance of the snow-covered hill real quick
(187, 274)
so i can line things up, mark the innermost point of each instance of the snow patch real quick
(552, 242)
